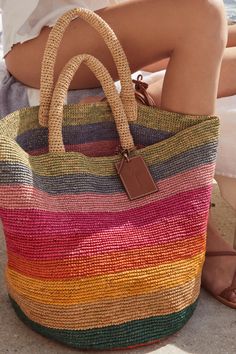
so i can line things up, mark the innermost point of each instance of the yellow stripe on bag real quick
(106, 312)
(113, 286)
(83, 114)
(59, 164)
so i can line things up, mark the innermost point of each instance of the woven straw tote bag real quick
(91, 263)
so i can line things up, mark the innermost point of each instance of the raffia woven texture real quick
(55, 37)
(86, 266)
(62, 86)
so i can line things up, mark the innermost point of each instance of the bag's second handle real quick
(49, 59)
(56, 110)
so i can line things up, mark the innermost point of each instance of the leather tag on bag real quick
(136, 177)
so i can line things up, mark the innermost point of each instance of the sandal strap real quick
(227, 292)
(141, 93)
(220, 253)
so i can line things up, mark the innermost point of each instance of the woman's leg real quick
(227, 82)
(150, 31)
(162, 64)
(218, 272)
(231, 36)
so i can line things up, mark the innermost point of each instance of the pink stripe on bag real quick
(28, 197)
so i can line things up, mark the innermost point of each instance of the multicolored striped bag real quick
(87, 266)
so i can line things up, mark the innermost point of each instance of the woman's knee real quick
(206, 24)
(211, 15)
(215, 18)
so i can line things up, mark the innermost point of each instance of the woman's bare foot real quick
(219, 273)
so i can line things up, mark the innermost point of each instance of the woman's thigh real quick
(149, 30)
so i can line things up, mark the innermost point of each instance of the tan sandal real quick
(225, 294)
(141, 93)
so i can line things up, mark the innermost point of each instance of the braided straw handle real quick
(56, 110)
(54, 40)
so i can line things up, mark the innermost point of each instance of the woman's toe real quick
(232, 296)
(229, 294)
